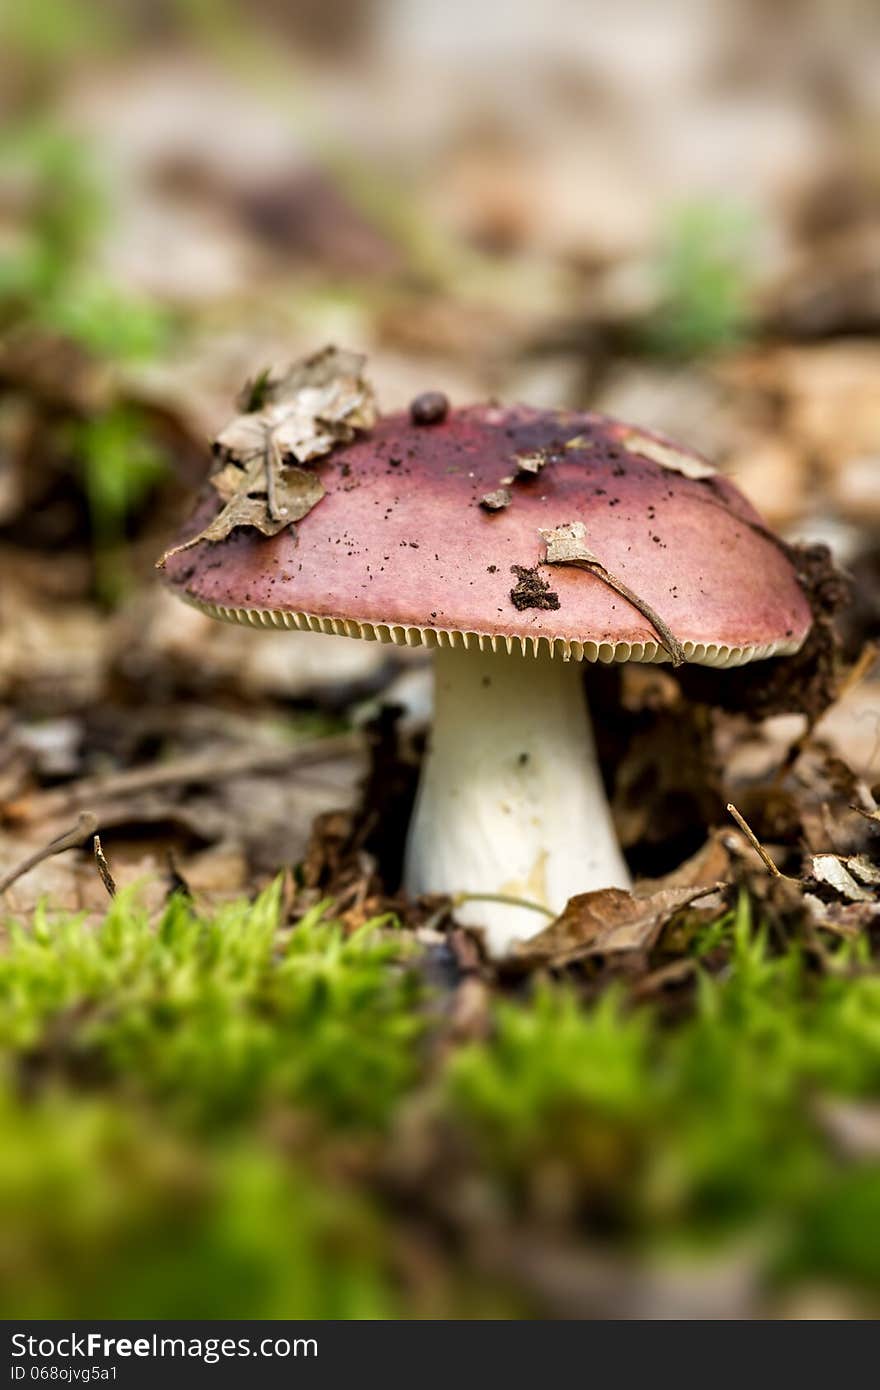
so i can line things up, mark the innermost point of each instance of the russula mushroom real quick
(620, 547)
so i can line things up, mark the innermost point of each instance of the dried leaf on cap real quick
(668, 456)
(320, 402)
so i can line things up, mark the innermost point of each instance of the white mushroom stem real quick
(511, 800)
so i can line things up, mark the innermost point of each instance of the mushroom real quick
(620, 547)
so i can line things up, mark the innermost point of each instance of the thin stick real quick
(459, 900)
(664, 632)
(567, 546)
(456, 900)
(70, 839)
(202, 768)
(754, 841)
(103, 867)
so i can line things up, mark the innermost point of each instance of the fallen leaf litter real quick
(319, 402)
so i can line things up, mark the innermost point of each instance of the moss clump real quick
(690, 1135)
(217, 1018)
(209, 1116)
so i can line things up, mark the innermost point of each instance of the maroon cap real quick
(415, 542)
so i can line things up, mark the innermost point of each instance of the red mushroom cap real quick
(401, 549)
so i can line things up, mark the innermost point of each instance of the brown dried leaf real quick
(831, 871)
(864, 869)
(668, 456)
(567, 545)
(842, 919)
(296, 492)
(710, 864)
(321, 401)
(608, 921)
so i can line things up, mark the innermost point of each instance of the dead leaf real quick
(567, 545)
(668, 456)
(864, 869)
(830, 870)
(608, 921)
(320, 402)
(843, 919)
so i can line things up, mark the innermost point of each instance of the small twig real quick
(664, 632)
(459, 900)
(70, 839)
(754, 841)
(566, 545)
(455, 900)
(103, 867)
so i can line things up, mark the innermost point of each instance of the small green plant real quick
(702, 273)
(49, 285)
(121, 466)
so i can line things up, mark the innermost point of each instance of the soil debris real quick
(429, 408)
(530, 590)
(496, 501)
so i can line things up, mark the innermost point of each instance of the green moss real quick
(171, 1094)
(215, 1018)
(104, 1213)
(688, 1134)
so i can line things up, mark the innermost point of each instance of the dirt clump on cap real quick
(530, 590)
